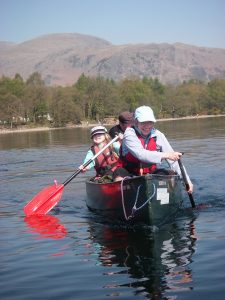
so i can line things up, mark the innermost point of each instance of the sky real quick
(194, 22)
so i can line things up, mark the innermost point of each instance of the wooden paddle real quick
(184, 175)
(46, 199)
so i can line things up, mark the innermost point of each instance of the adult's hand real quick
(190, 187)
(174, 156)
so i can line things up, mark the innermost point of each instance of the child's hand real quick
(82, 168)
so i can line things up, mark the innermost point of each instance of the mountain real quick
(62, 58)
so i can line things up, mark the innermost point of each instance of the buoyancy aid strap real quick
(146, 168)
(141, 169)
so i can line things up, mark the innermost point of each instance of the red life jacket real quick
(133, 165)
(104, 162)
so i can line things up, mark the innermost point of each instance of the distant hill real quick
(62, 58)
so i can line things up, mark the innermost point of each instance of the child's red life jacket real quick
(104, 162)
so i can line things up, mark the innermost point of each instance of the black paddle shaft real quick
(184, 175)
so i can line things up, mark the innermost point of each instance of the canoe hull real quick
(150, 199)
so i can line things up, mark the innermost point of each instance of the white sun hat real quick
(144, 114)
(98, 130)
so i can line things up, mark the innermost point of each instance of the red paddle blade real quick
(44, 201)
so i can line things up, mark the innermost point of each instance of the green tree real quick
(216, 97)
(10, 109)
(134, 92)
(64, 108)
(35, 99)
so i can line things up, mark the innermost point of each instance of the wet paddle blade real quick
(44, 201)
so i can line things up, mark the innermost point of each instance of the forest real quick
(93, 99)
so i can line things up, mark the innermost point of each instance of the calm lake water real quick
(72, 254)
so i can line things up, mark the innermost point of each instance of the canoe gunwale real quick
(134, 178)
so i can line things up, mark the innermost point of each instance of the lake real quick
(72, 254)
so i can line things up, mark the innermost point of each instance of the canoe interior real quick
(155, 197)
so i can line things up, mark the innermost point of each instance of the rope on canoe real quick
(134, 208)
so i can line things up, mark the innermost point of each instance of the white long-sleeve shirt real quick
(131, 143)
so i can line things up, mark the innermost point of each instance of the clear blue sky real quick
(195, 22)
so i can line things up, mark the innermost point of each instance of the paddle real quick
(184, 175)
(45, 200)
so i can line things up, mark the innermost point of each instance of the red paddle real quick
(45, 200)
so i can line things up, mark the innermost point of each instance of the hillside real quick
(62, 58)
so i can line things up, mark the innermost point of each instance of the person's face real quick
(124, 126)
(145, 127)
(99, 138)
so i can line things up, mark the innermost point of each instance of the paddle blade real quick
(44, 201)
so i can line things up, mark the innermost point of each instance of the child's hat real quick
(98, 130)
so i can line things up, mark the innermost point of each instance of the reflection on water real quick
(82, 256)
(157, 262)
(197, 128)
(46, 226)
(176, 129)
(24, 140)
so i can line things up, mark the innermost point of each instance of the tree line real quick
(93, 99)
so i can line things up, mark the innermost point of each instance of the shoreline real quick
(27, 129)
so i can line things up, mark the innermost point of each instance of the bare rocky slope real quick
(62, 58)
